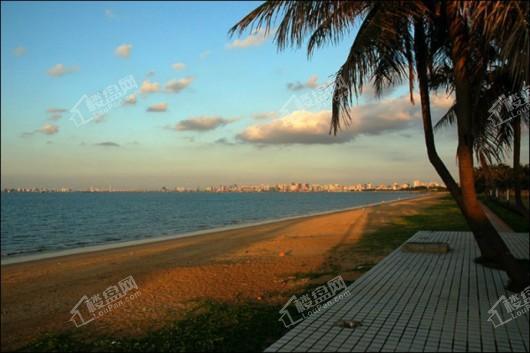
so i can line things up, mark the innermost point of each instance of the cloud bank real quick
(201, 123)
(157, 108)
(48, 129)
(265, 115)
(131, 100)
(311, 83)
(61, 70)
(149, 87)
(305, 127)
(175, 86)
(256, 38)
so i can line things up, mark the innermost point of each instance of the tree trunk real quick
(519, 205)
(491, 244)
(488, 254)
(434, 158)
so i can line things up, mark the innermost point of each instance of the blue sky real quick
(227, 106)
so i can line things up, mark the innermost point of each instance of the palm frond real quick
(341, 20)
(350, 78)
(506, 24)
(299, 19)
(449, 118)
(381, 52)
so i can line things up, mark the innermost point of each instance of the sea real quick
(33, 223)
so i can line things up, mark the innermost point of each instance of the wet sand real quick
(261, 262)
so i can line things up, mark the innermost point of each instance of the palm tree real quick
(505, 26)
(449, 21)
(396, 41)
(494, 134)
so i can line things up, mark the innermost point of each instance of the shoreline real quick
(266, 263)
(18, 259)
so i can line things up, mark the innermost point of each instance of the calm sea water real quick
(33, 223)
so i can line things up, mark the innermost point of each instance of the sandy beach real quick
(258, 263)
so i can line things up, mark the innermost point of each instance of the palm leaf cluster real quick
(493, 134)
(505, 24)
(382, 52)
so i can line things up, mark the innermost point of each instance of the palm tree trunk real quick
(434, 158)
(420, 51)
(487, 237)
(486, 171)
(519, 205)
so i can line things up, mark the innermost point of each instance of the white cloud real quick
(301, 127)
(20, 51)
(178, 66)
(304, 127)
(149, 87)
(123, 50)
(60, 70)
(256, 38)
(440, 101)
(158, 108)
(201, 123)
(130, 99)
(48, 129)
(265, 115)
(312, 82)
(176, 86)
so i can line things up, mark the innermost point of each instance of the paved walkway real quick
(420, 302)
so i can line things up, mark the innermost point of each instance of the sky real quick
(147, 94)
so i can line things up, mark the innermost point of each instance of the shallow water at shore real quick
(33, 223)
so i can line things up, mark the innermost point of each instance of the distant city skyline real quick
(179, 102)
(263, 187)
